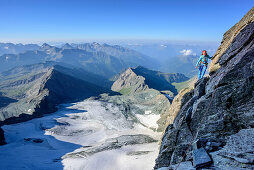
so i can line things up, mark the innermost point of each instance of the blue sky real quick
(80, 20)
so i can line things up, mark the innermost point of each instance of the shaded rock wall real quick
(228, 38)
(219, 108)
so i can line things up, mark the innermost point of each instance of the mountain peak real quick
(140, 78)
(95, 44)
(129, 82)
(45, 46)
(67, 46)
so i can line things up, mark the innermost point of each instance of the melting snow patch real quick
(149, 120)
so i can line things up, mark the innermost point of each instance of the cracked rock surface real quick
(222, 111)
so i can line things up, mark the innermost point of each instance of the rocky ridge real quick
(129, 82)
(228, 38)
(213, 127)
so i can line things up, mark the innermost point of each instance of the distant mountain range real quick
(10, 48)
(108, 60)
(184, 64)
(131, 57)
(104, 59)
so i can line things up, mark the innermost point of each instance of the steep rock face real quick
(228, 38)
(218, 114)
(183, 96)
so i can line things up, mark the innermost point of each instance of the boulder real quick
(201, 158)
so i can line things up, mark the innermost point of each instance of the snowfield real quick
(88, 135)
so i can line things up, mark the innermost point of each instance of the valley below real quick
(90, 134)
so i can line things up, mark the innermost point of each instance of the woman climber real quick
(202, 64)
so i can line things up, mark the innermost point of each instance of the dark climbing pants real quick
(202, 70)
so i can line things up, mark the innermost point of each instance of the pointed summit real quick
(67, 46)
(45, 46)
(95, 45)
(140, 78)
